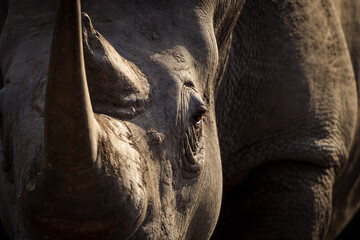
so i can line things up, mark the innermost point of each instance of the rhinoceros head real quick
(107, 124)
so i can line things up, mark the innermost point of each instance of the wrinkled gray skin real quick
(287, 112)
(287, 115)
(125, 145)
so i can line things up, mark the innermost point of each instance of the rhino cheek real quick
(120, 160)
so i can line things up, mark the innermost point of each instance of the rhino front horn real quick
(70, 127)
(71, 190)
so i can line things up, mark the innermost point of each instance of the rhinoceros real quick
(108, 124)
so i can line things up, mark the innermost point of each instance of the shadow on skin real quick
(352, 230)
(3, 234)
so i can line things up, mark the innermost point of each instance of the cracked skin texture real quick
(287, 116)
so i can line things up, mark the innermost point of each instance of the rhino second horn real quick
(70, 134)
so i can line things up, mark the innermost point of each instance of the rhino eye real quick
(198, 121)
(198, 117)
(192, 110)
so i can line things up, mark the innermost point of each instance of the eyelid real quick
(203, 108)
(199, 105)
(189, 84)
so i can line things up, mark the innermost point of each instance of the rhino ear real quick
(225, 17)
(4, 8)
